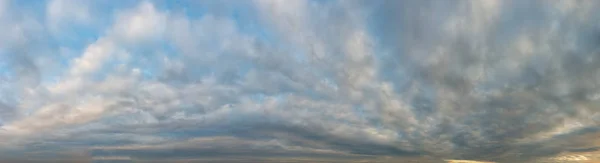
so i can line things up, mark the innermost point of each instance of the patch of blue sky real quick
(33, 8)
(108, 7)
(5, 70)
(188, 8)
(248, 22)
(77, 37)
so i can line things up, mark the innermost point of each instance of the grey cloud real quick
(486, 114)
(508, 81)
(28, 74)
(592, 149)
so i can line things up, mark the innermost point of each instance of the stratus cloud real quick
(504, 81)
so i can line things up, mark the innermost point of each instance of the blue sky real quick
(299, 81)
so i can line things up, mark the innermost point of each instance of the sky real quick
(299, 81)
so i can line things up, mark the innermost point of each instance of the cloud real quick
(485, 75)
(66, 11)
(275, 81)
(144, 23)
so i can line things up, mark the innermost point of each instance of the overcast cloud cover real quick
(299, 81)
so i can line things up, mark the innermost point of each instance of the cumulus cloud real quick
(302, 81)
(144, 23)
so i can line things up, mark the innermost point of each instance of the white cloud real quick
(75, 85)
(67, 11)
(90, 62)
(93, 57)
(61, 115)
(142, 24)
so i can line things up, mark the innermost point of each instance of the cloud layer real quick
(299, 81)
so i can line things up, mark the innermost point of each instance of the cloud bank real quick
(299, 81)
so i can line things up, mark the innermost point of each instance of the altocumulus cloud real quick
(299, 81)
